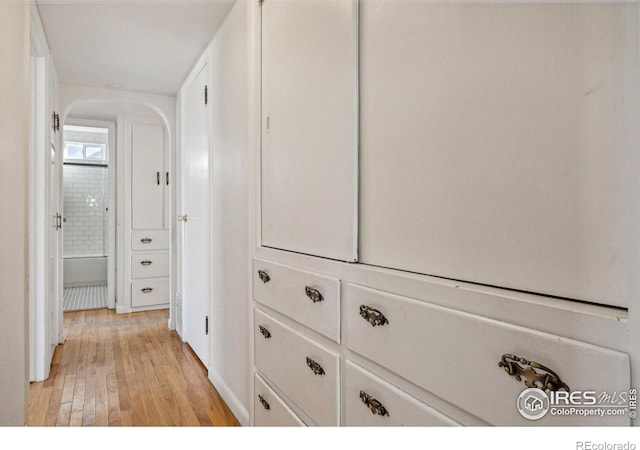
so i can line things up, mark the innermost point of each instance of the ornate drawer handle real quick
(264, 332)
(374, 405)
(546, 379)
(313, 294)
(146, 262)
(264, 276)
(315, 367)
(265, 403)
(146, 290)
(373, 316)
(146, 240)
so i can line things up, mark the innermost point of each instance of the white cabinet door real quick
(495, 143)
(147, 191)
(309, 147)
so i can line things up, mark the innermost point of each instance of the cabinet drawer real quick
(309, 298)
(305, 372)
(456, 356)
(371, 401)
(149, 292)
(150, 240)
(149, 265)
(269, 410)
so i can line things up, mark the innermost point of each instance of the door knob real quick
(182, 218)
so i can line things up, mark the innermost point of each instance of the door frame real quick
(112, 152)
(44, 333)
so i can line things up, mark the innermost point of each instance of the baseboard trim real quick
(122, 309)
(234, 404)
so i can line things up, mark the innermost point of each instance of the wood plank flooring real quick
(125, 370)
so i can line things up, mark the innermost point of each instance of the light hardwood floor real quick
(125, 370)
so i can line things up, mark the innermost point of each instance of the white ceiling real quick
(136, 45)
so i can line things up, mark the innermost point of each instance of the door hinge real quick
(206, 95)
(206, 324)
(55, 122)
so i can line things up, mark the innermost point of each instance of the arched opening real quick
(115, 112)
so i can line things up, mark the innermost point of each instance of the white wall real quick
(14, 153)
(229, 368)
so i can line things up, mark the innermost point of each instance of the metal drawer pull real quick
(542, 378)
(264, 276)
(146, 290)
(146, 240)
(373, 316)
(146, 262)
(374, 405)
(264, 402)
(315, 367)
(313, 294)
(264, 332)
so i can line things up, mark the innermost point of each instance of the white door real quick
(195, 205)
(55, 229)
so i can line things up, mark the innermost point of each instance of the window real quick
(86, 145)
(86, 153)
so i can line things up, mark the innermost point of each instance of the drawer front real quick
(149, 265)
(150, 240)
(302, 370)
(371, 401)
(309, 298)
(149, 292)
(456, 356)
(269, 410)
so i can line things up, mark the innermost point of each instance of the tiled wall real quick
(85, 210)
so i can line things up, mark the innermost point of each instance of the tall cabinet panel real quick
(147, 184)
(309, 139)
(495, 141)
(150, 180)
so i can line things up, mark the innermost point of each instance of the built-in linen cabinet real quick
(493, 212)
(150, 181)
(491, 147)
(309, 139)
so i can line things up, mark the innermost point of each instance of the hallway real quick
(125, 370)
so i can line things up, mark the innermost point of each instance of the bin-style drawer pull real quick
(374, 405)
(373, 316)
(542, 378)
(265, 403)
(146, 262)
(264, 276)
(146, 290)
(313, 294)
(315, 367)
(264, 332)
(146, 240)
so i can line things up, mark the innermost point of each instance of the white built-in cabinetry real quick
(150, 180)
(491, 223)
(309, 105)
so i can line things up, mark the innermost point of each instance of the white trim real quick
(42, 338)
(253, 171)
(234, 404)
